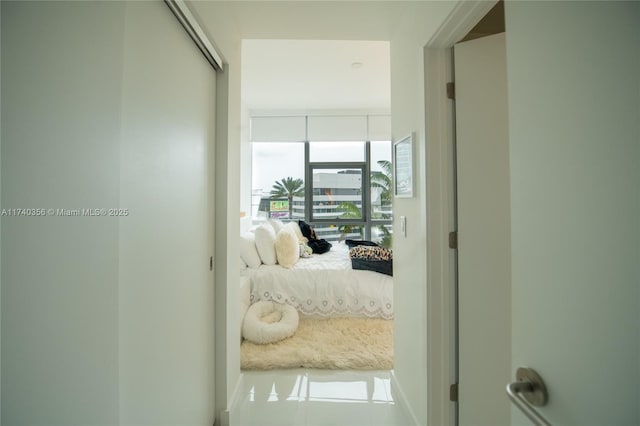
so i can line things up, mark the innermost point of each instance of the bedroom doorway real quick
(443, 246)
(318, 150)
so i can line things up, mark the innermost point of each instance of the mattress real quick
(325, 285)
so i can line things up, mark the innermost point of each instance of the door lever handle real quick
(527, 391)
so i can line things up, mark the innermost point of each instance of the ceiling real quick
(316, 75)
(298, 54)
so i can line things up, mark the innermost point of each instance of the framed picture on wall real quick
(403, 167)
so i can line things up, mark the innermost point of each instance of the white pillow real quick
(248, 250)
(276, 224)
(287, 248)
(265, 240)
(296, 230)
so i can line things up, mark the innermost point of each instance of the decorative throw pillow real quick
(248, 250)
(371, 253)
(276, 224)
(296, 230)
(287, 248)
(377, 259)
(265, 240)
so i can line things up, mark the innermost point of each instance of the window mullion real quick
(308, 185)
(366, 199)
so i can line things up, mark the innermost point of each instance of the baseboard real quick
(402, 400)
(224, 418)
(234, 400)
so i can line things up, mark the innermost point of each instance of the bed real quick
(323, 285)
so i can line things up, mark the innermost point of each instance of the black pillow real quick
(320, 246)
(307, 230)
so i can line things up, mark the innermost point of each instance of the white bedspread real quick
(325, 285)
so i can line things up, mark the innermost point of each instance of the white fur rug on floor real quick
(333, 343)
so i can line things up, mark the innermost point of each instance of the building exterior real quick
(334, 196)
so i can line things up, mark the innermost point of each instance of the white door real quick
(484, 290)
(574, 140)
(166, 300)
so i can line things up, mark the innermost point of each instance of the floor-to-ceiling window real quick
(278, 172)
(342, 188)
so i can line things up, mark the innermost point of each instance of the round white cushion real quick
(268, 322)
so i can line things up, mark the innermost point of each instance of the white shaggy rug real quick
(333, 343)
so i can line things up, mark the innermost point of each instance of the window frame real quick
(366, 222)
(364, 184)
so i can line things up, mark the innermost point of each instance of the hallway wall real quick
(106, 320)
(0, 224)
(61, 94)
(410, 252)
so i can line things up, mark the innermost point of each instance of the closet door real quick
(166, 286)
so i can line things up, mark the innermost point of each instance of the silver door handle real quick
(529, 389)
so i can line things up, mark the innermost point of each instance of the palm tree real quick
(288, 187)
(384, 181)
(350, 211)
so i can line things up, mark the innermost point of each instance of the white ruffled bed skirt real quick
(325, 286)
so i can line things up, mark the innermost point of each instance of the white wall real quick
(0, 222)
(246, 158)
(410, 252)
(61, 81)
(574, 96)
(166, 291)
(106, 321)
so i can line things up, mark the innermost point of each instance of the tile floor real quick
(306, 397)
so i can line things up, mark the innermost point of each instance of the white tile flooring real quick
(307, 397)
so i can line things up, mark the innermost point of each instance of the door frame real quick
(440, 207)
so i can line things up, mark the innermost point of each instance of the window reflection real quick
(314, 388)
